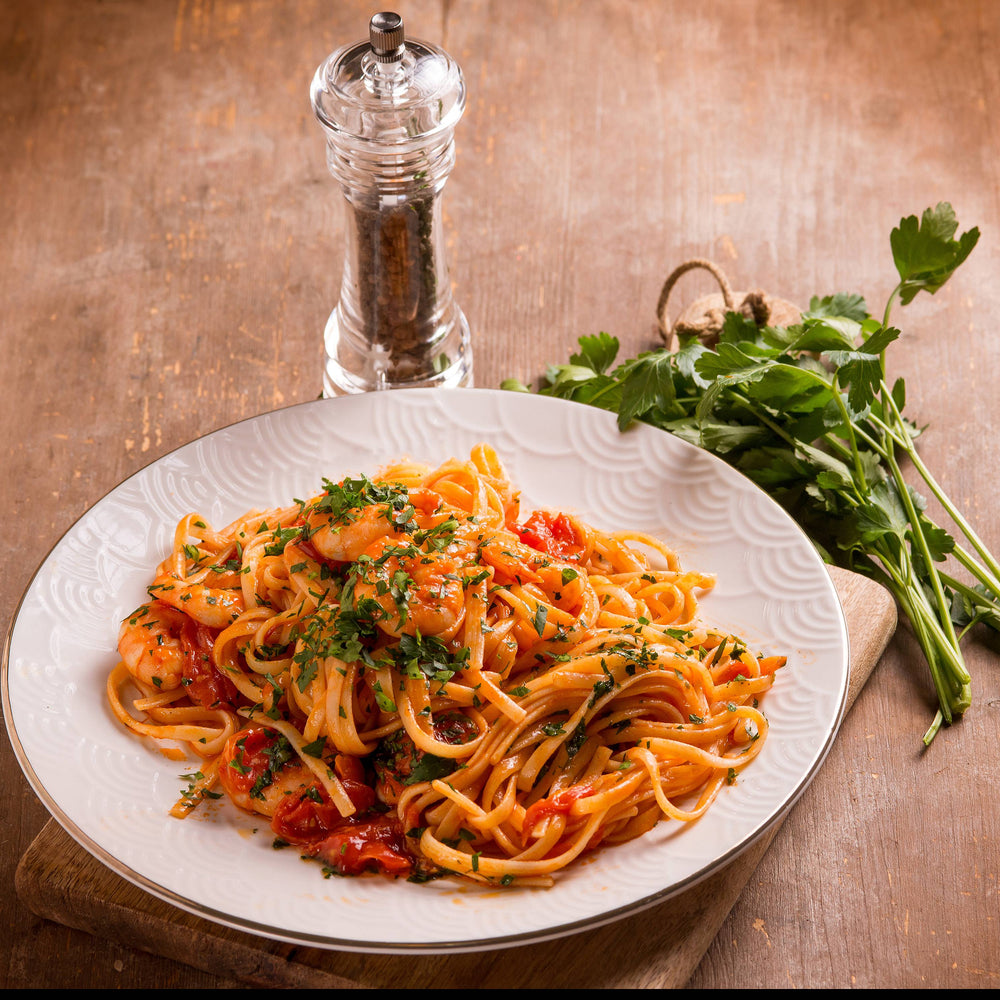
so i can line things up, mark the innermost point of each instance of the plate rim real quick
(457, 946)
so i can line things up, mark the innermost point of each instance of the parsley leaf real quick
(926, 253)
(597, 353)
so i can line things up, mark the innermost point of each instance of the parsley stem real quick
(976, 569)
(973, 596)
(835, 445)
(945, 501)
(875, 443)
(934, 727)
(953, 696)
(760, 415)
(888, 309)
(918, 534)
(935, 641)
(859, 471)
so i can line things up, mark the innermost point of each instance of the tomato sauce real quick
(558, 804)
(307, 819)
(203, 682)
(553, 534)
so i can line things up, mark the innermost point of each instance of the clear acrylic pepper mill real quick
(389, 107)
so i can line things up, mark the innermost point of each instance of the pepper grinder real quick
(389, 107)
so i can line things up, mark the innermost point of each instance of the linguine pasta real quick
(405, 677)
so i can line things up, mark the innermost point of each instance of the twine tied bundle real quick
(704, 318)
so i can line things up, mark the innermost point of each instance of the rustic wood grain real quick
(172, 246)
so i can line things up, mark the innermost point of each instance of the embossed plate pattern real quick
(112, 791)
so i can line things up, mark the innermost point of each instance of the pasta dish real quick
(405, 677)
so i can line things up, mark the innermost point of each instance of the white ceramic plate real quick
(112, 791)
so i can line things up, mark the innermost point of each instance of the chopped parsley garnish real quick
(541, 614)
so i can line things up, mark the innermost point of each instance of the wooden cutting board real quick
(658, 948)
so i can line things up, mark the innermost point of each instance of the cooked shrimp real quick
(149, 646)
(418, 591)
(211, 606)
(345, 542)
(256, 775)
(345, 535)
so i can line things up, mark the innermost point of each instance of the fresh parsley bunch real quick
(807, 413)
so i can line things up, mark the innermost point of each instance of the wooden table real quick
(172, 246)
